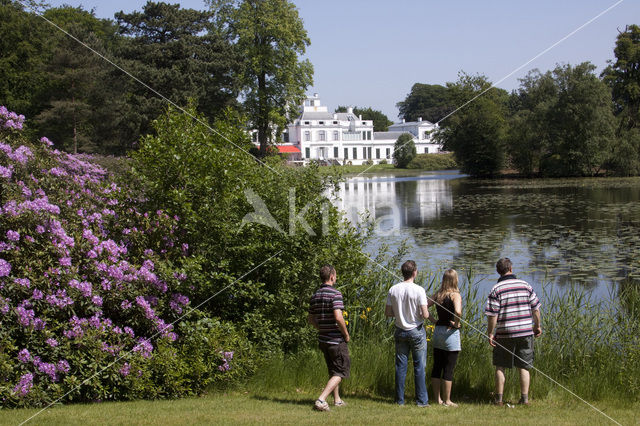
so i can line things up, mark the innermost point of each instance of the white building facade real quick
(345, 138)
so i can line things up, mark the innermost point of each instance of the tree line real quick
(239, 57)
(563, 122)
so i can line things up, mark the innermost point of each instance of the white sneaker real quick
(321, 405)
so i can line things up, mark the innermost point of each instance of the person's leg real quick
(332, 384)
(436, 373)
(524, 385)
(419, 353)
(523, 361)
(452, 359)
(499, 383)
(402, 359)
(336, 394)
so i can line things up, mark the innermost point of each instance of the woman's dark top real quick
(445, 312)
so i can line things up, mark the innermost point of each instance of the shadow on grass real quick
(309, 401)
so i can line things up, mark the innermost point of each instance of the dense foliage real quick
(476, 133)
(211, 56)
(433, 162)
(237, 214)
(564, 125)
(93, 288)
(432, 102)
(404, 150)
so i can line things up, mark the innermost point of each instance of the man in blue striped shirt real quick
(513, 315)
(325, 314)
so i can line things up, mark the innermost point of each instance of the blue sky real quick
(370, 52)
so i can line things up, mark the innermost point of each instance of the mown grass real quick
(294, 407)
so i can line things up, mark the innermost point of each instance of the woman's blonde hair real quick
(449, 285)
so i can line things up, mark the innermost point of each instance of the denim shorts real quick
(447, 339)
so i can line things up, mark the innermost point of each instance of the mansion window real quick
(307, 135)
(307, 152)
(322, 135)
(346, 154)
(355, 153)
(378, 153)
(426, 150)
(388, 153)
(335, 152)
(336, 135)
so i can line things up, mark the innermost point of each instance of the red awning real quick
(286, 149)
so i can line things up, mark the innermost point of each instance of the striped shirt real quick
(512, 301)
(323, 303)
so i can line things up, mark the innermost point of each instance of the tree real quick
(24, 52)
(432, 102)
(381, 122)
(581, 122)
(623, 76)
(269, 37)
(181, 54)
(476, 133)
(529, 137)
(404, 151)
(79, 81)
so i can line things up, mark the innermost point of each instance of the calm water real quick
(584, 231)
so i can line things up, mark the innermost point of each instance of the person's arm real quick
(388, 311)
(457, 309)
(337, 313)
(492, 321)
(537, 329)
(312, 320)
(430, 302)
(425, 314)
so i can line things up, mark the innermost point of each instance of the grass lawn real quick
(295, 408)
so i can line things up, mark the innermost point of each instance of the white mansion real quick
(347, 138)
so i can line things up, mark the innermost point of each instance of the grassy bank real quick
(294, 407)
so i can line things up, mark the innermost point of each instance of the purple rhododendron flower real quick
(13, 235)
(63, 366)
(52, 342)
(24, 282)
(6, 172)
(5, 268)
(24, 356)
(37, 294)
(24, 385)
(46, 141)
(125, 370)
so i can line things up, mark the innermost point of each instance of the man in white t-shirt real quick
(407, 303)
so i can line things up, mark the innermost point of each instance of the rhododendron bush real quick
(91, 286)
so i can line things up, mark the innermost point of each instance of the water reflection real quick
(581, 231)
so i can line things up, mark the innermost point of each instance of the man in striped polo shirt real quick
(513, 314)
(325, 314)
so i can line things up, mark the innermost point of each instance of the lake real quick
(579, 231)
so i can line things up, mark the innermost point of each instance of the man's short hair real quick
(503, 265)
(326, 271)
(408, 268)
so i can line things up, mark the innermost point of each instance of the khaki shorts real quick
(514, 352)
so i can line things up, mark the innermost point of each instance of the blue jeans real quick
(414, 341)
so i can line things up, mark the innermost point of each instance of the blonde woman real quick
(446, 336)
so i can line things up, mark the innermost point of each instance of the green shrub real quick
(433, 162)
(205, 179)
